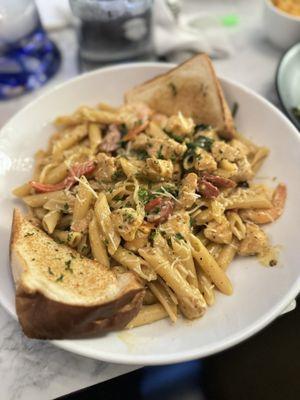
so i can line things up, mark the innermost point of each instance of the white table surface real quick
(36, 370)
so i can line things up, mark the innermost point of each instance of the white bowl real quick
(282, 29)
(260, 293)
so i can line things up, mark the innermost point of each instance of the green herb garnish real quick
(173, 88)
(66, 207)
(68, 266)
(60, 278)
(50, 271)
(202, 141)
(29, 234)
(175, 137)
(152, 235)
(159, 154)
(143, 195)
(179, 236)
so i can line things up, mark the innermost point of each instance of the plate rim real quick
(132, 359)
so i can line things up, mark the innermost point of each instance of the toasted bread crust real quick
(43, 317)
(222, 120)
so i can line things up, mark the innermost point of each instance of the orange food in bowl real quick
(289, 6)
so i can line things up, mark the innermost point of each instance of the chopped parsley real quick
(179, 236)
(69, 237)
(152, 235)
(118, 175)
(123, 129)
(105, 241)
(128, 217)
(68, 266)
(50, 271)
(60, 278)
(141, 154)
(143, 195)
(29, 234)
(66, 207)
(159, 154)
(202, 127)
(173, 88)
(175, 137)
(169, 241)
(119, 198)
(202, 141)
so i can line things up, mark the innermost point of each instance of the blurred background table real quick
(37, 370)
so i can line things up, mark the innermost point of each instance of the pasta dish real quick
(162, 196)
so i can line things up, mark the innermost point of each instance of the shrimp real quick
(266, 216)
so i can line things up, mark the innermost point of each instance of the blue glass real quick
(27, 63)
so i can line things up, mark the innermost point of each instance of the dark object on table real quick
(28, 59)
(288, 83)
(112, 32)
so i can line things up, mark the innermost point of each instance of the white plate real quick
(260, 293)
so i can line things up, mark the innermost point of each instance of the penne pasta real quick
(50, 221)
(134, 263)
(97, 243)
(147, 315)
(210, 266)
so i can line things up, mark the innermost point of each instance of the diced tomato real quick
(208, 190)
(135, 131)
(165, 209)
(153, 203)
(219, 181)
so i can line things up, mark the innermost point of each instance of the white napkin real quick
(174, 38)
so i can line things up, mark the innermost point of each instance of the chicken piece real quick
(127, 221)
(221, 150)
(243, 150)
(180, 125)
(244, 172)
(135, 113)
(188, 189)
(255, 242)
(204, 161)
(106, 167)
(158, 170)
(218, 232)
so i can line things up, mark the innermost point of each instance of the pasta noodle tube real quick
(183, 252)
(38, 200)
(134, 263)
(22, 190)
(188, 295)
(72, 239)
(147, 315)
(98, 247)
(94, 137)
(206, 288)
(72, 137)
(83, 201)
(164, 298)
(57, 174)
(210, 266)
(50, 221)
(227, 254)
(103, 216)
